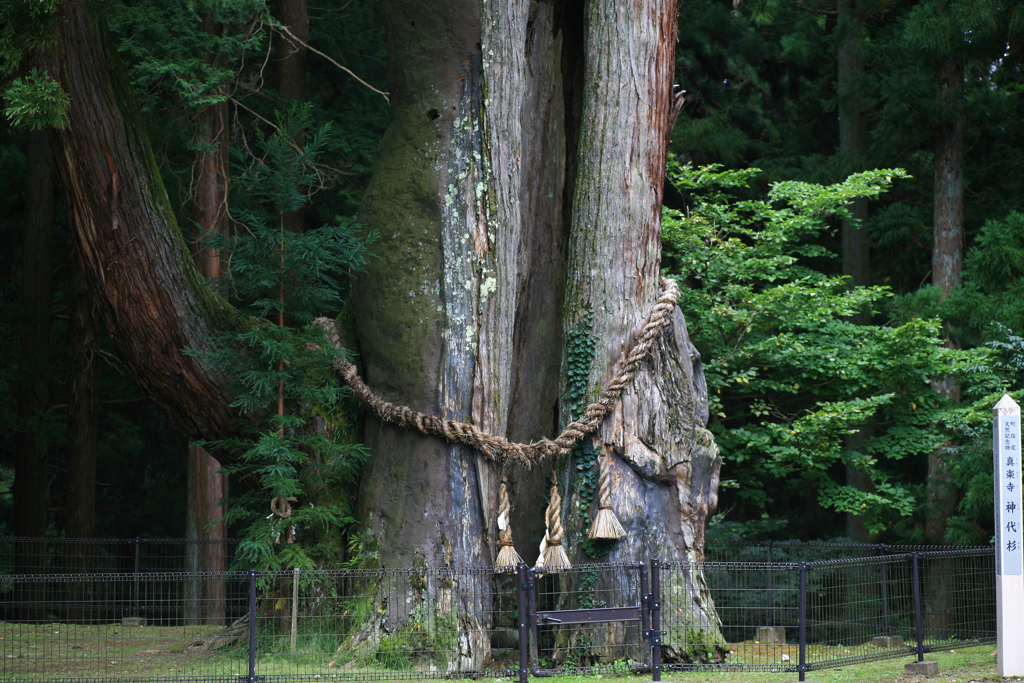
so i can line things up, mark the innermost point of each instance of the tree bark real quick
(947, 265)
(291, 75)
(943, 496)
(205, 600)
(488, 157)
(856, 242)
(144, 284)
(32, 393)
(665, 466)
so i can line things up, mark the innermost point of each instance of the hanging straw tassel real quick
(508, 558)
(606, 524)
(551, 548)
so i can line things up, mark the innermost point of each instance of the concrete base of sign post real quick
(921, 669)
(1009, 625)
(773, 635)
(887, 641)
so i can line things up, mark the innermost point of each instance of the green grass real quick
(957, 666)
(59, 651)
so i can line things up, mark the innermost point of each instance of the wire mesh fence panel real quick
(723, 550)
(958, 597)
(87, 627)
(386, 624)
(735, 615)
(858, 610)
(421, 622)
(558, 645)
(114, 555)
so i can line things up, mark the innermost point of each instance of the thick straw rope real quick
(498, 447)
(552, 554)
(507, 556)
(606, 525)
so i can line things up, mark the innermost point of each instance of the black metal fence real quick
(470, 622)
(50, 555)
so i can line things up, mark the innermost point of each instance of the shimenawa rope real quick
(508, 558)
(606, 525)
(498, 447)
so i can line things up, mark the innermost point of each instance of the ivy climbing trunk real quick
(510, 122)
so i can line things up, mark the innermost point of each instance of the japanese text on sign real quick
(1007, 470)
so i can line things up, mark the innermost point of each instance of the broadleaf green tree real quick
(790, 374)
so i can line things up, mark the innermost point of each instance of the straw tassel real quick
(508, 558)
(606, 524)
(552, 555)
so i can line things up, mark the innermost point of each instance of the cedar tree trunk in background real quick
(83, 401)
(947, 263)
(510, 122)
(32, 392)
(856, 242)
(947, 267)
(291, 74)
(143, 281)
(206, 485)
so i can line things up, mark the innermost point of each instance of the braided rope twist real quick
(604, 489)
(498, 447)
(504, 510)
(554, 517)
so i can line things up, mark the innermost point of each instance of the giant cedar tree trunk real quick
(509, 123)
(145, 286)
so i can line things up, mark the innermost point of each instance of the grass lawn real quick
(58, 652)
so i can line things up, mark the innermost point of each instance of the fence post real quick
(771, 598)
(252, 628)
(135, 578)
(645, 613)
(882, 551)
(295, 608)
(803, 621)
(917, 607)
(656, 620)
(521, 581)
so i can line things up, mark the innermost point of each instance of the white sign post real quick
(1006, 456)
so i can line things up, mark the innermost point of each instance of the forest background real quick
(853, 346)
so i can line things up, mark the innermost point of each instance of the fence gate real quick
(580, 598)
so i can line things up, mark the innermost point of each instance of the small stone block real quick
(133, 621)
(887, 641)
(921, 669)
(773, 635)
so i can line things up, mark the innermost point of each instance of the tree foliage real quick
(300, 447)
(788, 374)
